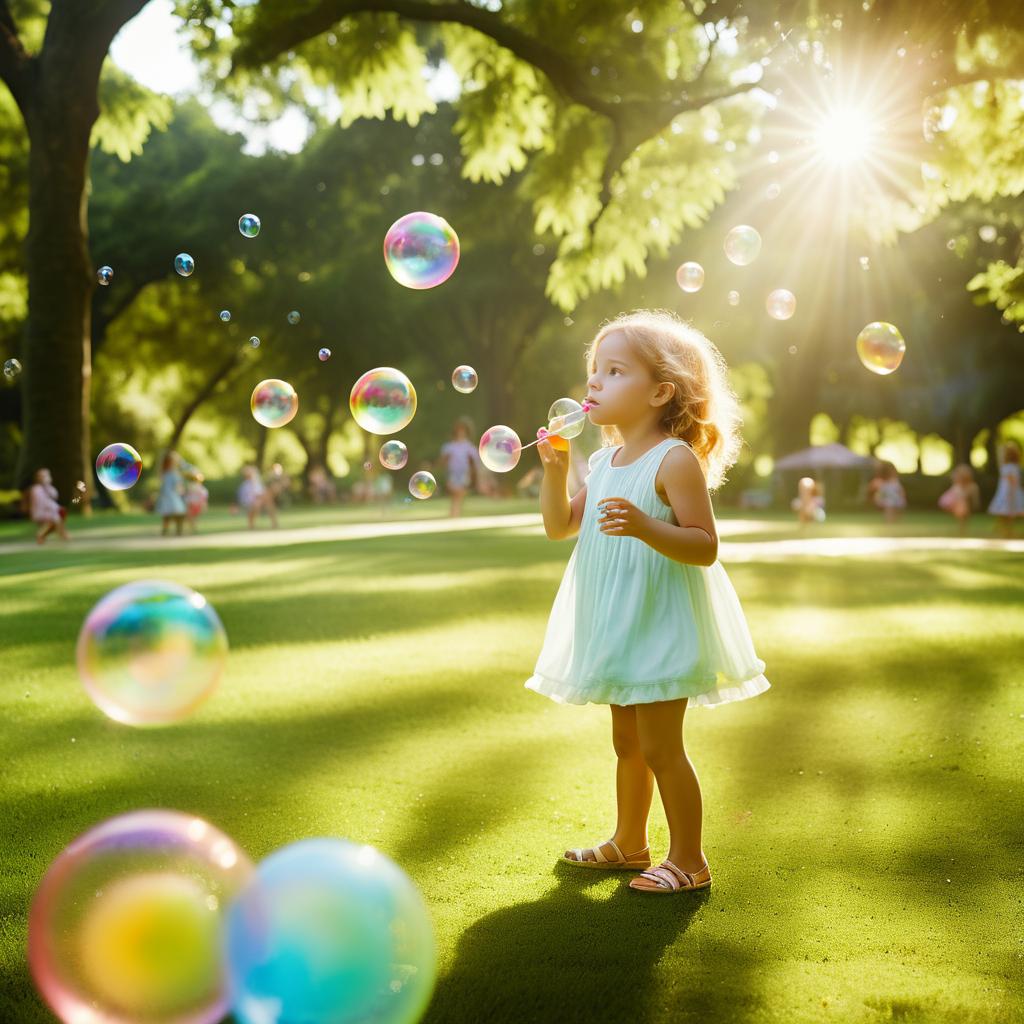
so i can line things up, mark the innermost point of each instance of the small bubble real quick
(225, 315)
(294, 317)
(254, 341)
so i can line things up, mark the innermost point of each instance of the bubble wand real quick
(562, 416)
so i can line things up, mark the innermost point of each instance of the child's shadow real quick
(572, 957)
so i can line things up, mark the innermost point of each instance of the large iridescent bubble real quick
(500, 448)
(383, 400)
(690, 276)
(742, 245)
(118, 466)
(781, 304)
(421, 250)
(393, 454)
(566, 418)
(880, 347)
(126, 925)
(422, 484)
(329, 932)
(150, 652)
(274, 402)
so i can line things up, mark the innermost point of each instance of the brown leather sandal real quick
(669, 878)
(640, 859)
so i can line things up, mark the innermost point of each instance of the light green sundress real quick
(632, 626)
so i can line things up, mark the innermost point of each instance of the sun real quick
(844, 135)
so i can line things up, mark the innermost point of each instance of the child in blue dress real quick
(646, 619)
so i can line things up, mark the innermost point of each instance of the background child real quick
(254, 497)
(890, 496)
(170, 502)
(809, 503)
(1008, 501)
(44, 508)
(459, 457)
(962, 496)
(196, 499)
(646, 619)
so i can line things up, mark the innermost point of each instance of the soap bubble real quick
(249, 225)
(734, 298)
(274, 402)
(880, 347)
(987, 233)
(105, 275)
(294, 316)
(690, 277)
(184, 264)
(118, 466)
(11, 368)
(421, 250)
(742, 245)
(500, 448)
(150, 652)
(865, 262)
(127, 922)
(773, 191)
(464, 379)
(254, 341)
(225, 315)
(323, 355)
(393, 454)
(383, 400)
(422, 484)
(329, 931)
(781, 304)
(566, 418)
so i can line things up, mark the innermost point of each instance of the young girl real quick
(44, 509)
(890, 496)
(809, 503)
(170, 502)
(962, 496)
(1008, 502)
(254, 497)
(459, 456)
(197, 497)
(646, 619)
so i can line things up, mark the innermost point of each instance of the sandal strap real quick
(665, 878)
(618, 852)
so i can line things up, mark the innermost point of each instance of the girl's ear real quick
(664, 392)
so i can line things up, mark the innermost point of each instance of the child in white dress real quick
(646, 619)
(1008, 501)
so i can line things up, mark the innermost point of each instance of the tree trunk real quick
(56, 91)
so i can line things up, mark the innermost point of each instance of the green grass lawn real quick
(862, 818)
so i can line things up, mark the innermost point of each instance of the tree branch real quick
(15, 62)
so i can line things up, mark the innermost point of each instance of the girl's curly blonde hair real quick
(704, 410)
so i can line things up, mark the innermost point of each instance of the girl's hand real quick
(621, 518)
(553, 458)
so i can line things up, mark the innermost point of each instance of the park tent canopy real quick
(825, 456)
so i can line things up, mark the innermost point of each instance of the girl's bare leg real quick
(660, 726)
(634, 788)
(44, 531)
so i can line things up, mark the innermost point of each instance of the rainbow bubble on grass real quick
(742, 245)
(126, 924)
(690, 276)
(274, 402)
(393, 454)
(500, 448)
(383, 400)
(464, 379)
(118, 466)
(422, 484)
(329, 931)
(421, 250)
(150, 652)
(880, 347)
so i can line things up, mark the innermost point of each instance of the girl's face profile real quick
(621, 385)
